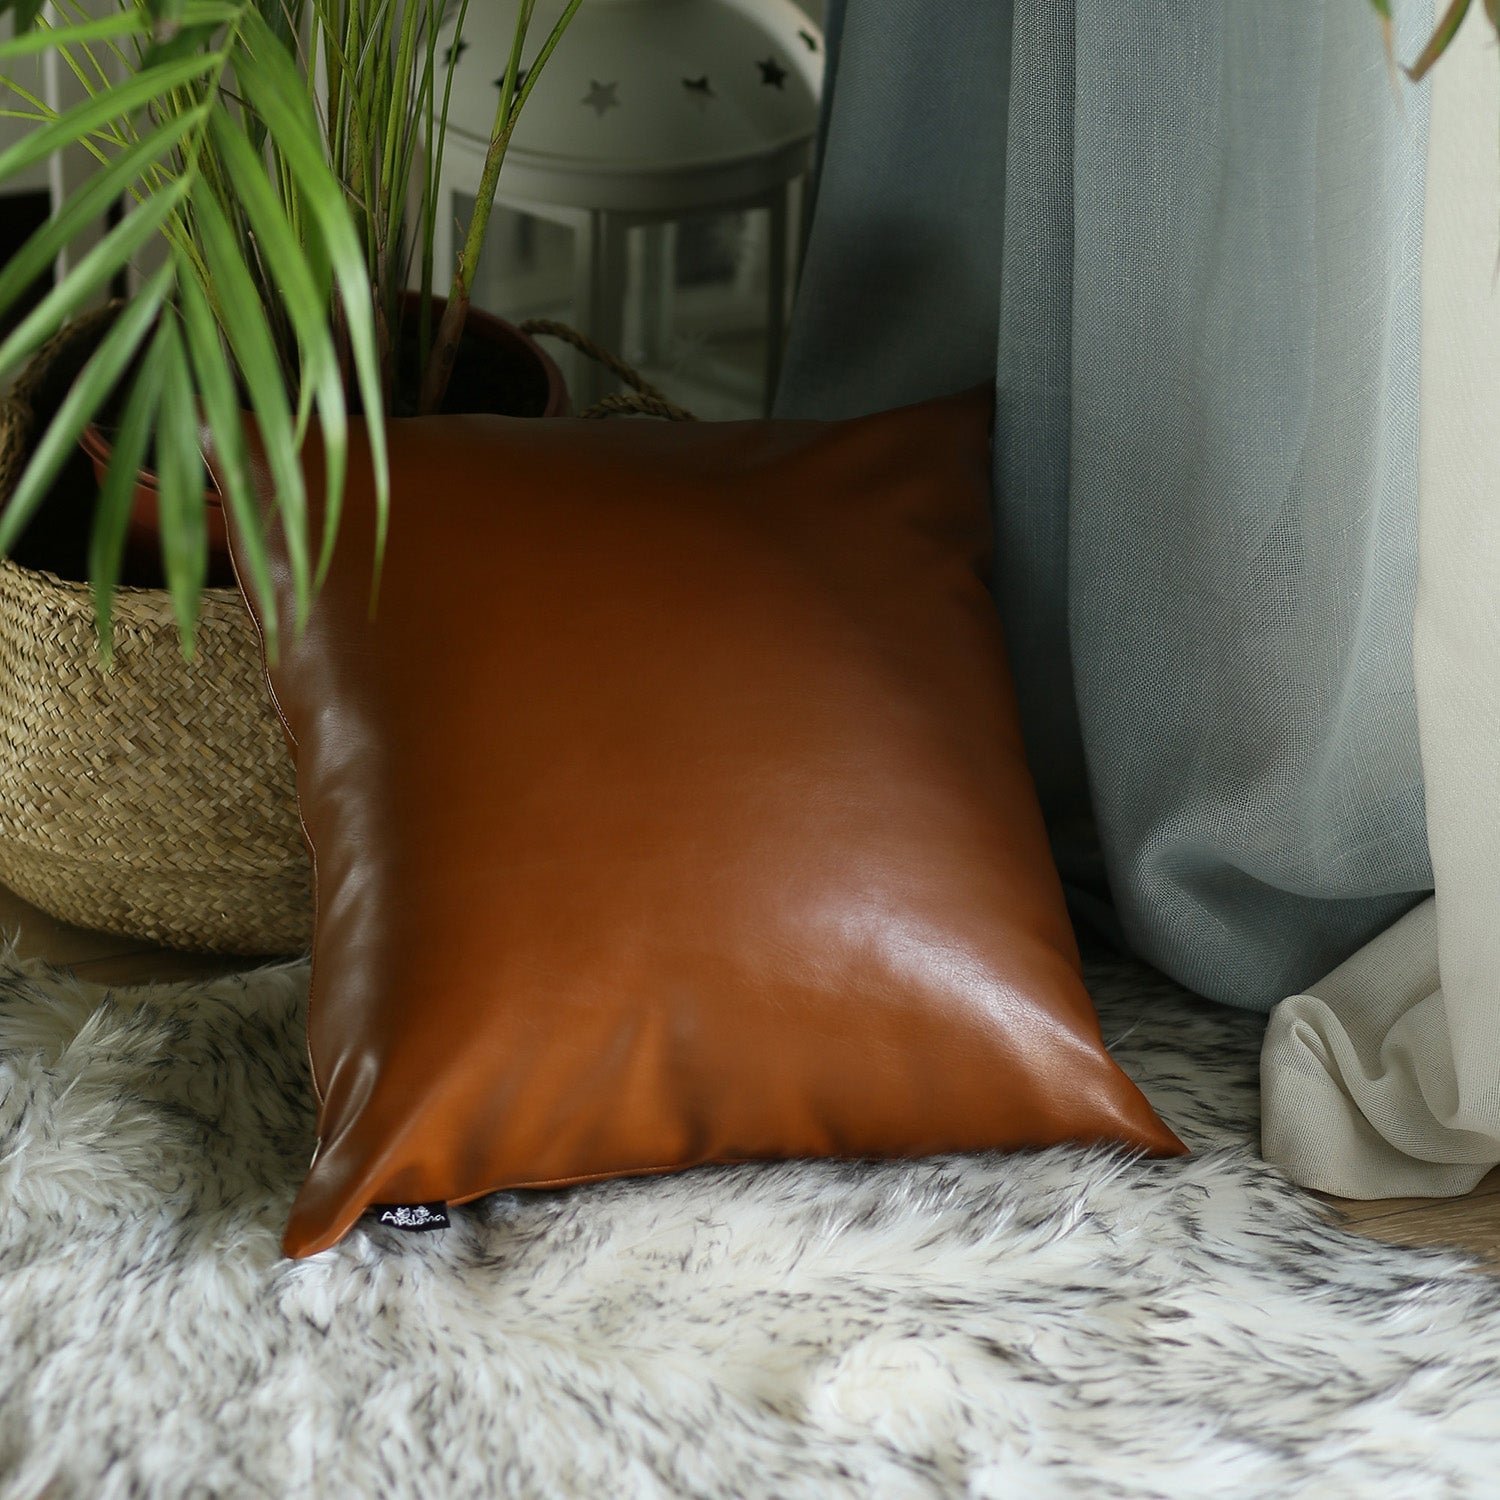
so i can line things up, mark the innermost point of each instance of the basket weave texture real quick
(155, 799)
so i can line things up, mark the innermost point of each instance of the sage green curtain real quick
(1183, 239)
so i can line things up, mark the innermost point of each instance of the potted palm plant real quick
(279, 163)
(280, 160)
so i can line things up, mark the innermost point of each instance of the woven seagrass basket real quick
(156, 799)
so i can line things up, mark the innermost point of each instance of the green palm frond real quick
(245, 228)
(1441, 38)
(268, 147)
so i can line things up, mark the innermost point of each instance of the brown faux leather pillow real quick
(673, 810)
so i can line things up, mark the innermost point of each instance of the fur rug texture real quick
(1056, 1324)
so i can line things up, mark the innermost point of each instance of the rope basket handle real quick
(17, 418)
(648, 401)
(17, 414)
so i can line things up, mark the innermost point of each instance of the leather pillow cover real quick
(672, 809)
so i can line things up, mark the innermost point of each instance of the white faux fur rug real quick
(1060, 1324)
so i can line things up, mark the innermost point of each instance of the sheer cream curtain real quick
(1384, 1078)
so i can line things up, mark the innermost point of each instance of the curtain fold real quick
(1184, 240)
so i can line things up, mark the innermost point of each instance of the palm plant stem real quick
(439, 370)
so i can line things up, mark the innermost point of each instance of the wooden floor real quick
(1471, 1223)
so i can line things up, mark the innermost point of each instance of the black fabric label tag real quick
(413, 1218)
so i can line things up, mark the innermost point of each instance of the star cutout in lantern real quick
(772, 74)
(810, 39)
(601, 97)
(699, 90)
(520, 81)
(455, 53)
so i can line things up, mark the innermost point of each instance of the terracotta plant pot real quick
(532, 378)
(142, 547)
